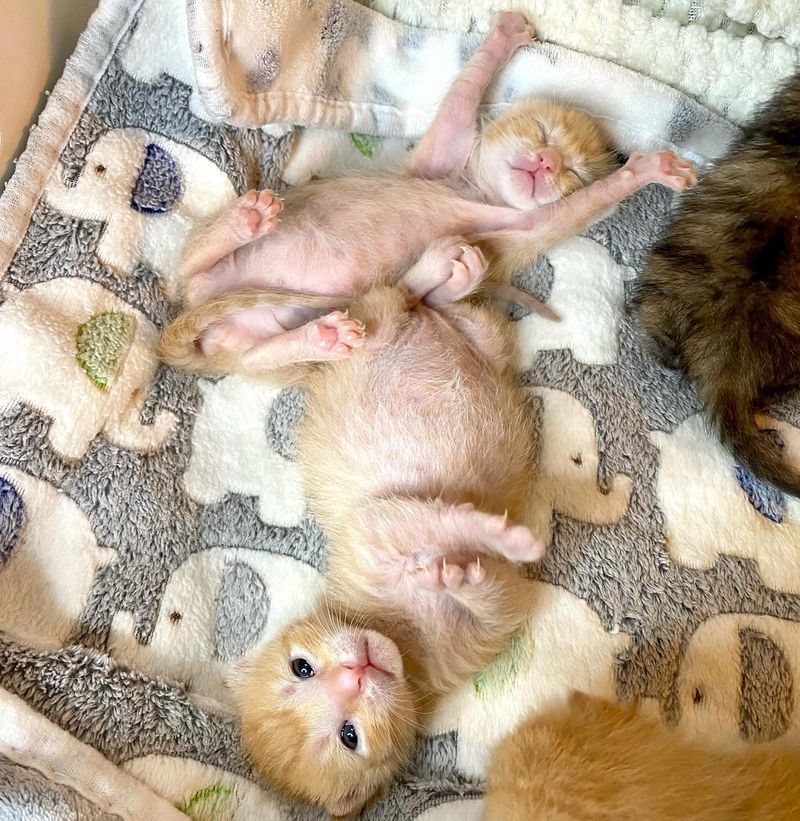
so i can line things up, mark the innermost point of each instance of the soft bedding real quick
(152, 533)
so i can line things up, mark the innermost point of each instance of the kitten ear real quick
(350, 802)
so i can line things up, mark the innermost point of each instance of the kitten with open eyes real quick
(593, 760)
(534, 176)
(720, 298)
(416, 454)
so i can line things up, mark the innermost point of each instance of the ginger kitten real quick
(416, 454)
(592, 760)
(536, 175)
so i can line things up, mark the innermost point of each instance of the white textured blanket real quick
(335, 65)
(151, 530)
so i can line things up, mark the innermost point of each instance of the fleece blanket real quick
(245, 53)
(152, 533)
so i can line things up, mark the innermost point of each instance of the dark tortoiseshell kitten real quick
(720, 298)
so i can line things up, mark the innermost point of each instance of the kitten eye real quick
(349, 736)
(574, 174)
(302, 669)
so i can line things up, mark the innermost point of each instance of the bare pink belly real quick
(334, 245)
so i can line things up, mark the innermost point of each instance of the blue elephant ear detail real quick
(159, 185)
(768, 501)
(12, 519)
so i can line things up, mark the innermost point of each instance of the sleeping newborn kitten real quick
(597, 760)
(720, 298)
(338, 237)
(416, 454)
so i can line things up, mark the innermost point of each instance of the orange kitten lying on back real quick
(536, 175)
(416, 454)
(597, 761)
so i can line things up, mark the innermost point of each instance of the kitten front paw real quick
(451, 573)
(663, 167)
(511, 31)
(449, 269)
(255, 214)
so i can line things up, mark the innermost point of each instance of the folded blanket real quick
(332, 64)
(691, 46)
(151, 529)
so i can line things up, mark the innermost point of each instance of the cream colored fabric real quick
(317, 63)
(28, 738)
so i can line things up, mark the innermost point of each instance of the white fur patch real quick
(570, 650)
(183, 646)
(46, 577)
(205, 792)
(566, 480)
(712, 669)
(154, 49)
(105, 188)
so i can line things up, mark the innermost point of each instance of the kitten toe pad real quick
(255, 214)
(663, 167)
(336, 334)
(451, 573)
(512, 31)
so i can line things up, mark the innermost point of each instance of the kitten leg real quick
(560, 220)
(573, 214)
(261, 343)
(446, 146)
(421, 531)
(449, 269)
(252, 216)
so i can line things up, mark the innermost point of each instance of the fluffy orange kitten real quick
(597, 761)
(534, 176)
(416, 452)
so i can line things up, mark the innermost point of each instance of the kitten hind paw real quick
(255, 214)
(336, 335)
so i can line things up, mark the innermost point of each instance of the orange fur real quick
(281, 716)
(178, 347)
(415, 449)
(534, 124)
(600, 761)
(351, 240)
(530, 126)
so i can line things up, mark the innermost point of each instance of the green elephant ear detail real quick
(507, 666)
(101, 344)
(215, 803)
(365, 143)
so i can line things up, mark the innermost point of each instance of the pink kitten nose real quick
(349, 679)
(549, 160)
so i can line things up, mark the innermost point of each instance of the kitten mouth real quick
(379, 655)
(375, 660)
(525, 176)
